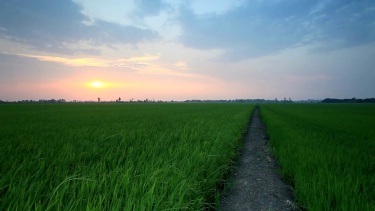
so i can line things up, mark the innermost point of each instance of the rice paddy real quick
(117, 156)
(177, 156)
(327, 153)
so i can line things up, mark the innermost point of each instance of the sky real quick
(179, 50)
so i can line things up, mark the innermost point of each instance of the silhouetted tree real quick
(98, 99)
(353, 100)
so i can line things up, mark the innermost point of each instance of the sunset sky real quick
(178, 50)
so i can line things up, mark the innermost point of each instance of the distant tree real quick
(353, 100)
(98, 99)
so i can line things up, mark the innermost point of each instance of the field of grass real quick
(117, 156)
(327, 153)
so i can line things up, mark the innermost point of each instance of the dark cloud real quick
(264, 27)
(50, 25)
(345, 25)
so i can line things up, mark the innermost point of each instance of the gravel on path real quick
(256, 184)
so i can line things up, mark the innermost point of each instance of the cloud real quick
(146, 7)
(157, 15)
(173, 70)
(142, 64)
(344, 25)
(88, 62)
(111, 11)
(214, 7)
(260, 28)
(242, 29)
(52, 25)
(125, 13)
(181, 65)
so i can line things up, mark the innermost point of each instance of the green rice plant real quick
(117, 156)
(327, 153)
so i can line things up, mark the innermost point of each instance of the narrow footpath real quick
(256, 184)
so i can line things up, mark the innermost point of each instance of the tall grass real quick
(117, 156)
(327, 152)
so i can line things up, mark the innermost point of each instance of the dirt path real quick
(256, 184)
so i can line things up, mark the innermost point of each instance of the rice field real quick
(176, 156)
(117, 156)
(327, 153)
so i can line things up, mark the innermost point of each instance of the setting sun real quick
(97, 84)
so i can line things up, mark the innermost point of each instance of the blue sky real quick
(196, 49)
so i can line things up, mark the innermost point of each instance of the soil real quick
(256, 183)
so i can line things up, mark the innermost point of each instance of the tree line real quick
(352, 100)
